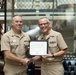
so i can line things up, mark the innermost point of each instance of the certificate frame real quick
(38, 47)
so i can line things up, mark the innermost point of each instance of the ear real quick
(11, 24)
(50, 24)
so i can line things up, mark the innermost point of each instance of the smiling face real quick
(17, 23)
(44, 25)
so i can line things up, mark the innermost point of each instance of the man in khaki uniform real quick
(12, 44)
(52, 62)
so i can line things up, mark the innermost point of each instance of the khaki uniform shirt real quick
(55, 44)
(14, 43)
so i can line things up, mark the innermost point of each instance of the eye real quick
(43, 24)
(18, 21)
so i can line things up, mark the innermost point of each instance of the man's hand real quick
(25, 61)
(47, 56)
(27, 47)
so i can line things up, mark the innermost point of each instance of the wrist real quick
(31, 59)
(52, 56)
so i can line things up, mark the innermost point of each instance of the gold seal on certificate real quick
(38, 47)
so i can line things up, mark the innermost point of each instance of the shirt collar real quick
(13, 34)
(48, 36)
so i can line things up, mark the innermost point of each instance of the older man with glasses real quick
(57, 48)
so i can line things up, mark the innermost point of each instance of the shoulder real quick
(6, 36)
(8, 33)
(26, 35)
(56, 33)
(40, 37)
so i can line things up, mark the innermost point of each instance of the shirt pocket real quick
(14, 44)
(52, 42)
(53, 47)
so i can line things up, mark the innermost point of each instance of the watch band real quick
(53, 56)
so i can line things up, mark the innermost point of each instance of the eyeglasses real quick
(43, 24)
(18, 21)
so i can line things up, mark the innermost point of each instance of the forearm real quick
(60, 53)
(35, 58)
(10, 56)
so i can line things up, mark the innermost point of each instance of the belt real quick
(15, 63)
(20, 64)
(55, 62)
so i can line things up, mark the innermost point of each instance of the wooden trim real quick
(5, 6)
(12, 8)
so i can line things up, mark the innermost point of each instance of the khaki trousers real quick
(55, 68)
(11, 69)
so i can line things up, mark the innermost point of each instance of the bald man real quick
(12, 44)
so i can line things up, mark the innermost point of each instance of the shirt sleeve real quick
(61, 43)
(5, 44)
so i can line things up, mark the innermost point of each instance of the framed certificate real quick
(38, 47)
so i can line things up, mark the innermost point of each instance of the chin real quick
(44, 31)
(18, 28)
